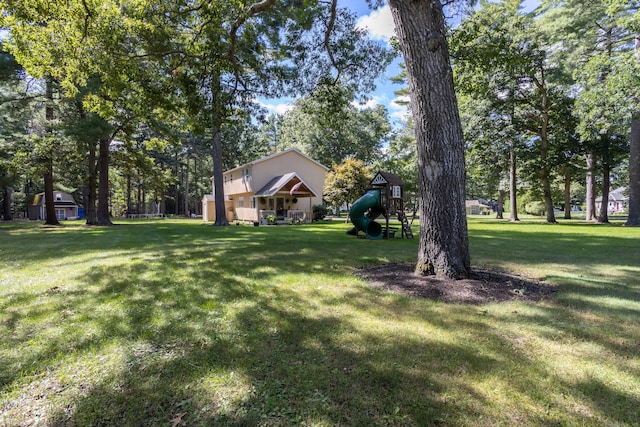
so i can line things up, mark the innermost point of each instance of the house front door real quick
(280, 207)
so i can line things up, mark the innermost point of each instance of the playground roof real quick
(386, 178)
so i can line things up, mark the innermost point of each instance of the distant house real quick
(617, 201)
(66, 207)
(286, 185)
(478, 207)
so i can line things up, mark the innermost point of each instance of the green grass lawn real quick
(171, 321)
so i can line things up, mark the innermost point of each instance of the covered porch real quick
(287, 198)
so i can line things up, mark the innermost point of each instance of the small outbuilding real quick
(478, 207)
(65, 205)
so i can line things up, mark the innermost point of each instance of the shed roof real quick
(60, 198)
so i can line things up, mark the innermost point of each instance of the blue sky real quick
(380, 26)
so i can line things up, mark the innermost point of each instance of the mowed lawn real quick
(172, 323)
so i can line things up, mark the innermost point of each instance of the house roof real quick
(60, 198)
(264, 159)
(476, 202)
(289, 183)
(615, 195)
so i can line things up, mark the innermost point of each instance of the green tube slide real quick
(357, 213)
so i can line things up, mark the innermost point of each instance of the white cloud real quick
(277, 107)
(399, 111)
(379, 23)
(370, 103)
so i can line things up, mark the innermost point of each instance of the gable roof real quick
(383, 178)
(60, 198)
(290, 182)
(264, 159)
(615, 195)
(476, 202)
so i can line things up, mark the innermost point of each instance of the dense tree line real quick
(549, 97)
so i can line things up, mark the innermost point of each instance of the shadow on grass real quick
(208, 330)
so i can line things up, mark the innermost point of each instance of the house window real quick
(241, 202)
(252, 202)
(231, 178)
(58, 197)
(245, 176)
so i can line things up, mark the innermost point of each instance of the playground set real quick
(386, 198)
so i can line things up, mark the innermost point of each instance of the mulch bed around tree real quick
(482, 287)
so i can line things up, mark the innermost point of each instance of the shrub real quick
(319, 212)
(534, 208)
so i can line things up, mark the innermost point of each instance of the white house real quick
(617, 201)
(286, 185)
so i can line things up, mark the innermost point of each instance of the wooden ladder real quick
(406, 227)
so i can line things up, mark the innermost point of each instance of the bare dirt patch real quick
(483, 286)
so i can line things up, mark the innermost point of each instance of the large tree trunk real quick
(634, 172)
(50, 209)
(591, 188)
(634, 161)
(545, 172)
(186, 190)
(500, 207)
(567, 194)
(218, 184)
(197, 206)
(92, 186)
(513, 193)
(221, 214)
(6, 201)
(91, 180)
(129, 207)
(444, 245)
(603, 217)
(104, 217)
(548, 200)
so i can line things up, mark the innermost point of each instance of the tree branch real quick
(327, 36)
(253, 10)
(86, 19)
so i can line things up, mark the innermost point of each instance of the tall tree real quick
(87, 129)
(444, 244)
(346, 182)
(329, 128)
(47, 158)
(13, 108)
(628, 17)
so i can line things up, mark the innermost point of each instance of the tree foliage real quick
(346, 182)
(328, 126)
